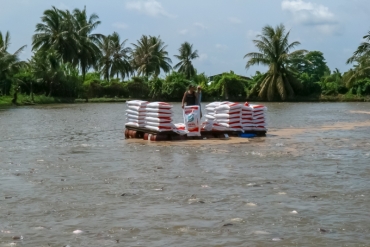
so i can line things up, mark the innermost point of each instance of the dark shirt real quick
(190, 98)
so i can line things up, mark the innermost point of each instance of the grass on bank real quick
(26, 100)
(42, 99)
(100, 100)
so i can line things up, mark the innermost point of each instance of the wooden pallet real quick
(203, 133)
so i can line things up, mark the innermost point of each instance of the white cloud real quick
(120, 25)
(312, 14)
(221, 47)
(203, 57)
(183, 31)
(200, 25)
(148, 7)
(235, 20)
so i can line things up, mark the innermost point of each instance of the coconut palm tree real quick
(275, 52)
(70, 35)
(185, 65)
(56, 33)
(150, 56)
(362, 51)
(362, 59)
(88, 43)
(361, 70)
(115, 59)
(46, 66)
(9, 63)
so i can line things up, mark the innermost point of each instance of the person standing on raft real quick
(190, 97)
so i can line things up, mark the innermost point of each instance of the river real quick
(68, 167)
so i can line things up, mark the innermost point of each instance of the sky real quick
(222, 31)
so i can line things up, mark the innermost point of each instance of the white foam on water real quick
(236, 220)
(191, 200)
(77, 232)
(277, 239)
(183, 229)
(39, 227)
(281, 193)
(251, 204)
(261, 233)
(294, 212)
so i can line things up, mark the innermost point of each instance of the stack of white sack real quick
(207, 125)
(247, 117)
(259, 117)
(227, 117)
(159, 116)
(135, 113)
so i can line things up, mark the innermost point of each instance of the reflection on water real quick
(68, 177)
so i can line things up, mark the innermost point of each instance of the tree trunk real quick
(50, 89)
(31, 89)
(15, 97)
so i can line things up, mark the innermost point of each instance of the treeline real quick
(71, 61)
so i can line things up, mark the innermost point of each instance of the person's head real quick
(199, 88)
(191, 88)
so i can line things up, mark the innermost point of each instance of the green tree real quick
(186, 55)
(69, 34)
(155, 86)
(88, 52)
(360, 71)
(138, 87)
(275, 52)
(230, 86)
(361, 58)
(363, 50)
(332, 84)
(115, 59)
(55, 33)
(253, 82)
(46, 66)
(9, 63)
(174, 86)
(313, 64)
(150, 56)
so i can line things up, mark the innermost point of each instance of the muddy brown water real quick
(68, 167)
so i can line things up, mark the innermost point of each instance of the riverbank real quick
(41, 99)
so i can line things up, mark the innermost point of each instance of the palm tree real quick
(186, 55)
(115, 59)
(9, 63)
(359, 71)
(362, 51)
(275, 52)
(69, 34)
(46, 66)
(362, 57)
(88, 43)
(150, 56)
(56, 33)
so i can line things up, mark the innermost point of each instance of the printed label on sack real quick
(192, 120)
